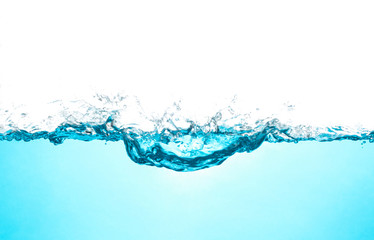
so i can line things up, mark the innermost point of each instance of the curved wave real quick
(169, 141)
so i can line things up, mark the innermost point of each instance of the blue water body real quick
(90, 190)
(174, 138)
(193, 148)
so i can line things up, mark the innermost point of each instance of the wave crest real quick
(170, 139)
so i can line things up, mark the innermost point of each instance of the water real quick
(254, 120)
(65, 171)
(172, 139)
(80, 190)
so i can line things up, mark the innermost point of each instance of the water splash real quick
(171, 139)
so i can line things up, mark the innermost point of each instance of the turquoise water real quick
(92, 190)
(178, 120)
(175, 138)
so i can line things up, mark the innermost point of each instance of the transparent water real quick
(66, 173)
(80, 190)
(254, 120)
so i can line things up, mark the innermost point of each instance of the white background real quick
(318, 55)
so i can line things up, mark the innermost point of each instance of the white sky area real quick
(318, 55)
